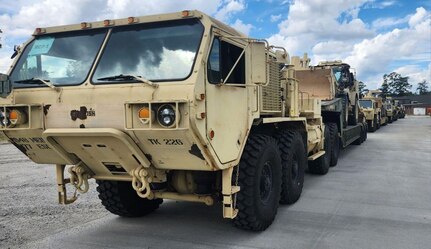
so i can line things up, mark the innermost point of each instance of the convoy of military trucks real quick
(181, 106)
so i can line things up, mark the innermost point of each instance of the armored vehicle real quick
(400, 109)
(391, 111)
(336, 86)
(175, 106)
(371, 112)
(375, 95)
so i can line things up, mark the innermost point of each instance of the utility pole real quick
(1, 45)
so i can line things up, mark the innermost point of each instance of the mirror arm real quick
(245, 38)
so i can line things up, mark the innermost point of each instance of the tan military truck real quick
(390, 110)
(371, 112)
(396, 109)
(400, 109)
(382, 118)
(175, 106)
(336, 86)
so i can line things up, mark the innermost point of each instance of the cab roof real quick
(140, 19)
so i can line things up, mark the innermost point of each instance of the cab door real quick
(226, 99)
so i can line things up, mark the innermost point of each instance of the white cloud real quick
(332, 30)
(230, 7)
(415, 73)
(314, 21)
(275, 18)
(331, 50)
(385, 4)
(372, 4)
(372, 56)
(242, 27)
(420, 15)
(389, 22)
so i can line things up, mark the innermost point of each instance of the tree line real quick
(394, 84)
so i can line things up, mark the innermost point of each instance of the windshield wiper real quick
(126, 77)
(36, 81)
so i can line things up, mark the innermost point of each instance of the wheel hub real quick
(266, 182)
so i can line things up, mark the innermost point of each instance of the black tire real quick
(121, 199)
(366, 132)
(375, 123)
(320, 166)
(361, 137)
(370, 126)
(260, 181)
(293, 164)
(378, 123)
(335, 143)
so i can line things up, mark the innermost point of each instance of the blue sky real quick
(374, 36)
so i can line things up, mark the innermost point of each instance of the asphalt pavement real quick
(378, 196)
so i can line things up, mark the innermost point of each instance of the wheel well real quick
(271, 129)
(332, 117)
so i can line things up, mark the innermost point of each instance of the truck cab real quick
(174, 106)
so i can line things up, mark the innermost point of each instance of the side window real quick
(221, 60)
(214, 75)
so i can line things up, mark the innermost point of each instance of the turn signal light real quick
(85, 25)
(145, 115)
(108, 23)
(17, 117)
(185, 13)
(144, 112)
(132, 19)
(40, 31)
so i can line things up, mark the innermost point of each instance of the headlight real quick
(166, 115)
(10, 118)
(4, 120)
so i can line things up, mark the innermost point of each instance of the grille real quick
(271, 94)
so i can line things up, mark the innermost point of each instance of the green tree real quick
(385, 89)
(396, 84)
(362, 88)
(422, 87)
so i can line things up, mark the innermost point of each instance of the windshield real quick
(155, 51)
(61, 58)
(337, 72)
(366, 103)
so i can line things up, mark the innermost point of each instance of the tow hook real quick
(78, 178)
(141, 182)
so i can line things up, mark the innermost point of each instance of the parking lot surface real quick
(378, 196)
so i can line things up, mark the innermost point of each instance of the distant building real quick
(418, 102)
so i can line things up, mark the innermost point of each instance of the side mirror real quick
(5, 85)
(15, 51)
(258, 60)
